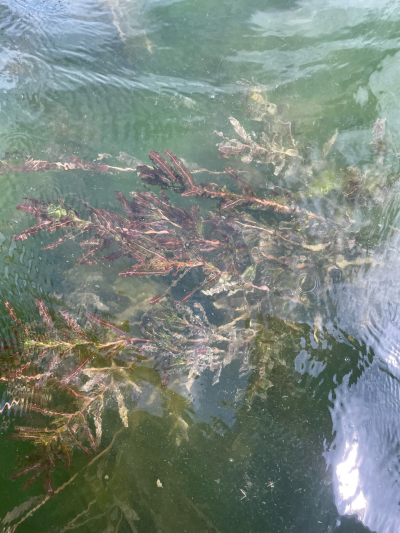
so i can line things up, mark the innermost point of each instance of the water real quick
(306, 437)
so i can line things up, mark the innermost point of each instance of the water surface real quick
(314, 439)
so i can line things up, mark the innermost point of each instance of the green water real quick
(310, 443)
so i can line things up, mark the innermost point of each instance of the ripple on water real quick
(365, 453)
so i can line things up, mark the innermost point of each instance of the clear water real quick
(322, 444)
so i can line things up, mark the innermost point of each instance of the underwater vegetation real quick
(229, 254)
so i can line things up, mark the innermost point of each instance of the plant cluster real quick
(236, 247)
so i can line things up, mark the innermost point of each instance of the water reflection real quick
(365, 452)
(351, 499)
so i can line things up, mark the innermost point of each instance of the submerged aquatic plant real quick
(243, 250)
(64, 362)
(245, 243)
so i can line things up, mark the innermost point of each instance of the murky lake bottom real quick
(199, 247)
